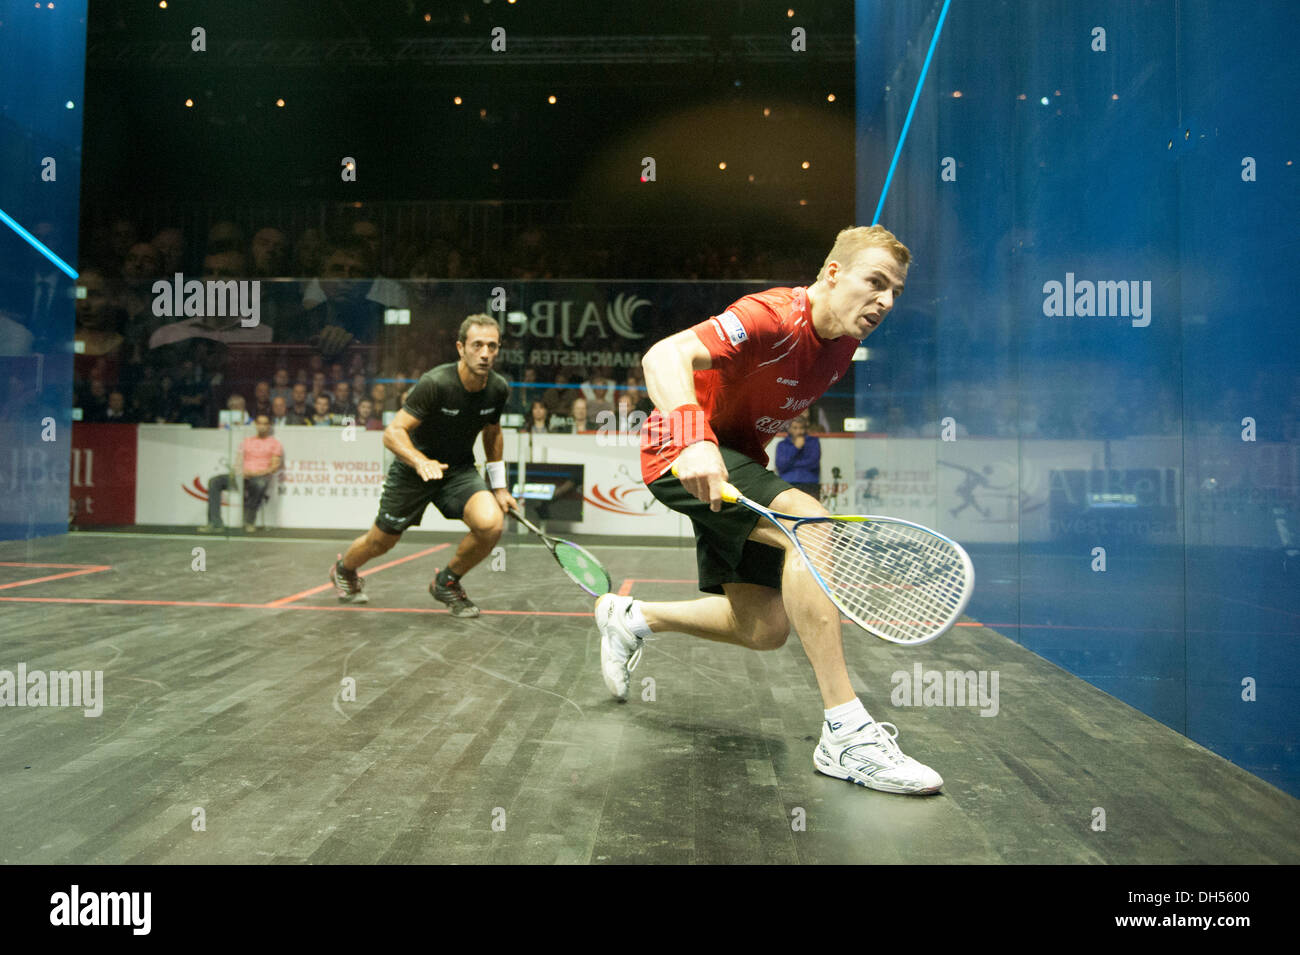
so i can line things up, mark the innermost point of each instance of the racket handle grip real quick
(728, 492)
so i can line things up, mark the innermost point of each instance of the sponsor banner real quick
(327, 482)
(103, 473)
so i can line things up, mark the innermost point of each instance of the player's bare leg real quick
(483, 515)
(759, 617)
(373, 543)
(749, 616)
(368, 546)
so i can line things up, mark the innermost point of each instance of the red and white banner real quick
(103, 473)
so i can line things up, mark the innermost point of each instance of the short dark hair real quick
(471, 321)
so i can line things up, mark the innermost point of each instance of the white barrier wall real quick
(974, 489)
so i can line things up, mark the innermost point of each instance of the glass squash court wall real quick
(42, 70)
(1099, 336)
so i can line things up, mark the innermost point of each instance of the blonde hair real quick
(853, 240)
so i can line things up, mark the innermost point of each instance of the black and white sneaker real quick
(347, 584)
(453, 595)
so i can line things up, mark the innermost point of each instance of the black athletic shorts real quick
(722, 549)
(406, 495)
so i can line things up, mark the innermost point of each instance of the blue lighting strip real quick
(925, 68)
(37, 244)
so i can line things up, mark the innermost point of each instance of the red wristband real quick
(687, 425)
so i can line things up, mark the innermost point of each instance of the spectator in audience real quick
(521, 398)
(366, 415)
(336, 310)
(799, 458)
(358, 386)
(599, 390)
(300, 406)
(280, 384)
(259, 458)
(261, 398)
(579, 413)
(224, 235)
(98, 329)
(640, 400)
(318, 386)
(343, 399)
(281, 416)
(170, 243)
(322, 415)
(116, 411)
(237, 412)
(307, 254)
(269, 251)
(537, 418)
(379, 398)
(93, 400)
(222, 265)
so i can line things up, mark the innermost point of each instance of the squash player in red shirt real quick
(722, 389)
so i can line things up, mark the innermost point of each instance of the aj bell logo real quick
(1103, 299)
(210, 299)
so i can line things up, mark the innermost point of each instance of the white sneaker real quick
(871, 758)
(620, 651)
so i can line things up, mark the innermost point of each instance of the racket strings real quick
(893, 578)
(582, 567)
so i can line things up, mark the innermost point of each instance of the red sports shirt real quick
(768, 365)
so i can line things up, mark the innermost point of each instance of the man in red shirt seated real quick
(722, 389)
(260, 458)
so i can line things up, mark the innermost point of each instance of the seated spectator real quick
(116, 411)
(336, 309)
(579, 416)
(358, 387)
(261, 399)
(226, 265)
(521, 395)
(799, 458)
(240, 416)
(366, 415)
(379, 398)
(537, 418)
(259, 458)
(640, 400)
(99, 323)
(322, 415)
(318, 385)
(342, 402)
(280, 384)
(281, 416)
(599, 390)
(299, 406)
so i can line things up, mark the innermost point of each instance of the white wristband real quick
(496, 474)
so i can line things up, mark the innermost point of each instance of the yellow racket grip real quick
(728, 492)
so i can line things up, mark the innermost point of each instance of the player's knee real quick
(382, 542)
(770, 635)
(489, 529)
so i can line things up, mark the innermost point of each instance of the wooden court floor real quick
(248, 717)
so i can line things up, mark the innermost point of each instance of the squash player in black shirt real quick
(433, 437)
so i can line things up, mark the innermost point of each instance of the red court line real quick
(373, 570)
(71, 573)
(19, 563)
(329, 609)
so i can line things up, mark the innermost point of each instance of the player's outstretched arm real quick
(397, 438)
(670, 367)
